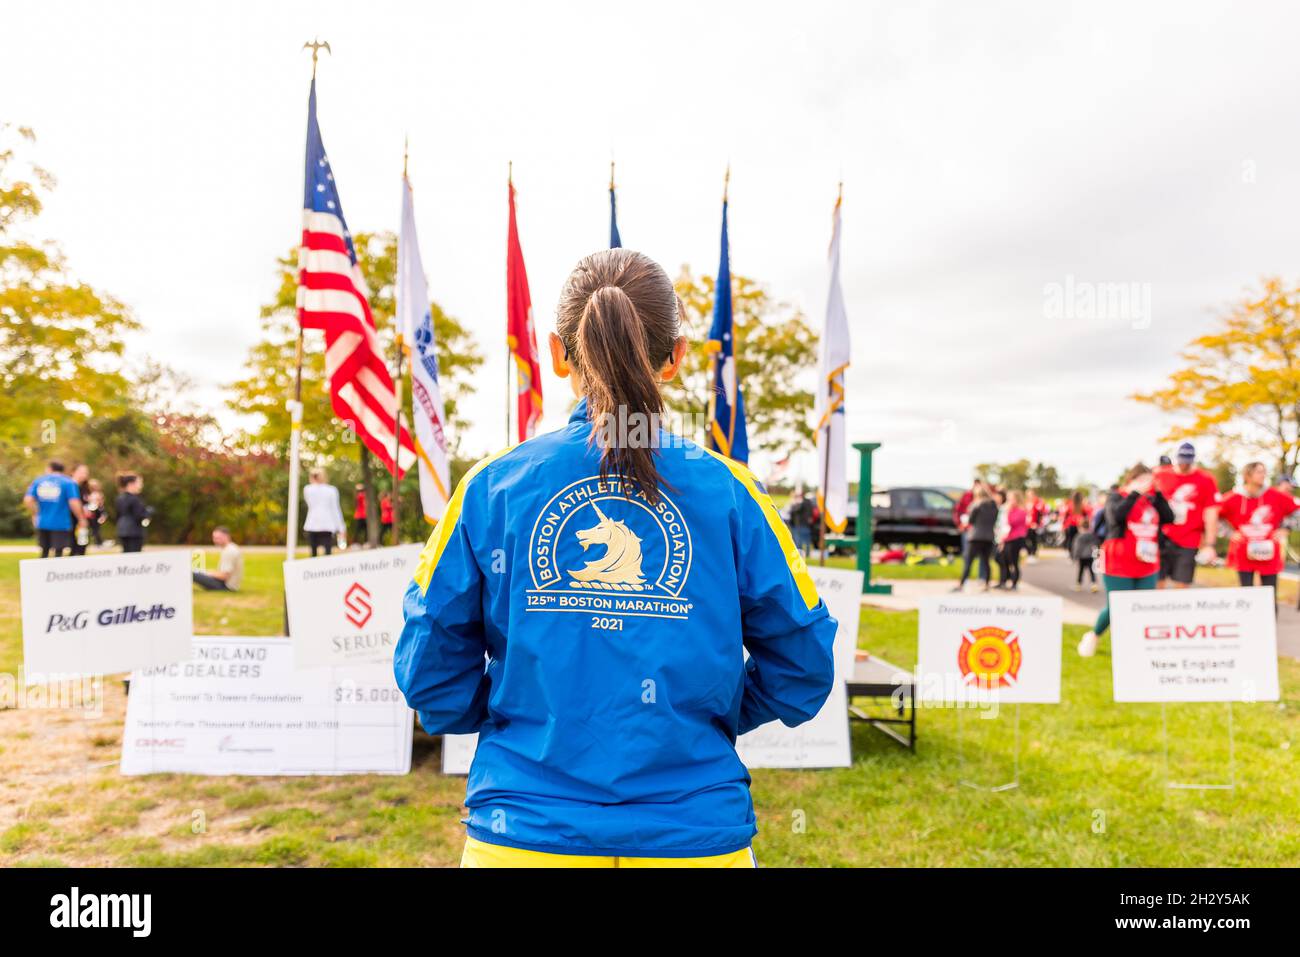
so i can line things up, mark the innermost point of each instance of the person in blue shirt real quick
(54, 501)
(586, 603)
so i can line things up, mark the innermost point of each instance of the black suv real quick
(911, 516)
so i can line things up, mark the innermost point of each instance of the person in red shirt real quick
(385, 516)
(359, 533)
(1258, 543)
(1074, 513)
(1193, 496)
(1035, 511)
(1131, 553)
(1013, 539)
(961, 510)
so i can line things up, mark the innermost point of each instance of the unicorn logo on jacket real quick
(620, 567)
(599, 545)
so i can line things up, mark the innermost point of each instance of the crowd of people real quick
(1150, 530)
(69, 512)
(999, 526)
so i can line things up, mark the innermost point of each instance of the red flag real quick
(520, 334)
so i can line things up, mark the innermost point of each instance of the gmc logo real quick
(1160, 632)
(356, 604)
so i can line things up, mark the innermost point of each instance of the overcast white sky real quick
(987, 149)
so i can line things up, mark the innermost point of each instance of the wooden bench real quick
(876, 678)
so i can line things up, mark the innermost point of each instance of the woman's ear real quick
(559, 359)
(680, 347)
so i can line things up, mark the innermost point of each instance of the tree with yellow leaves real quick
(775, 349)
(1241, 384)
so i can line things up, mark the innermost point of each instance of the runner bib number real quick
(1261, 551)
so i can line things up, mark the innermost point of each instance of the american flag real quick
(332, 296)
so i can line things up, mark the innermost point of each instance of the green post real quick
(866, 533)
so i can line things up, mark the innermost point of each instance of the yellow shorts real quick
(481, 854)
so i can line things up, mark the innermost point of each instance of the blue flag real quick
(726, 427)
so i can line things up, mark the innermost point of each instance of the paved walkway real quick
(1054, 574)
(1077, 609)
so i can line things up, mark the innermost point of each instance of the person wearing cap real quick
(1193, 495)
(1258, 543)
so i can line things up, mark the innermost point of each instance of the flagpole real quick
(826, 477)
(510, 186)
(731, 431)
(295, 452)
(397, 449)
(397, 387)
(826, 458)
(294, 405)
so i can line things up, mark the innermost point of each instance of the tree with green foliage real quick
(271, 362)
(327, 442)
(1023, 474)
(61, 341)
(197, 475)
(774, 348)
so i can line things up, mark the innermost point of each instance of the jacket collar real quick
(579, 413)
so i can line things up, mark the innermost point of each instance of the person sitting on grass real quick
(230, 566)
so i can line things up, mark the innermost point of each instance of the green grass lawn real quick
(1091, 782)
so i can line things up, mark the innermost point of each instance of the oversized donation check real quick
(240, 707)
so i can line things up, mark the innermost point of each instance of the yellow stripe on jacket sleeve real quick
(437, 542)
(798, 567)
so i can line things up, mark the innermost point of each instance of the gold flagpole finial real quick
(510, 173)
(726, 182)
(611, 174)
(315, 47)
(406, 152)
(839, 197)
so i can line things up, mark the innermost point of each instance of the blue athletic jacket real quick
(596, 643)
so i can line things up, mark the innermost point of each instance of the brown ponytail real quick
(618, 320)
(1135, 472)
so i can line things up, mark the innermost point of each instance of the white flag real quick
(833, 492)
(415, 326)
